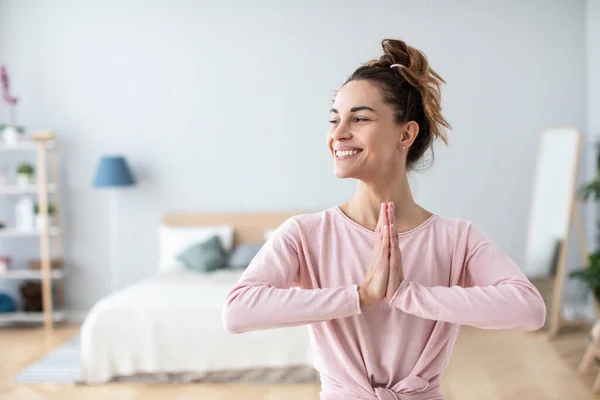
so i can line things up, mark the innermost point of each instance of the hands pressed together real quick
(385, 268)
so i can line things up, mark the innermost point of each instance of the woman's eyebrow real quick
(354, 109)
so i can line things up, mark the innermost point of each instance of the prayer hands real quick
(395, 275)
(374, 287)
(385, 268)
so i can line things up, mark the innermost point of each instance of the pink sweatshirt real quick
(308, 272)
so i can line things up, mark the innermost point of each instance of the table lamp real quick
(113, 173)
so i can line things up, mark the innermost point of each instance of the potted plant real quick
(41, 222)
(590, 274)
(25, 173)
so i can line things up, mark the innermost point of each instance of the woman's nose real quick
(341, 132)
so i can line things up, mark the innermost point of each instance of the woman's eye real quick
(357, 119)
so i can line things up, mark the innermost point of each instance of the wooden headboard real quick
(249, 227)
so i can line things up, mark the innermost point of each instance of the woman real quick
(384, 283)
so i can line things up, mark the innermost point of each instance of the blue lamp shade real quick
(113, 171)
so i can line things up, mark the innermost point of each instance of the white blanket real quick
(172, 323)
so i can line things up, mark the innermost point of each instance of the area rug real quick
(61, 365)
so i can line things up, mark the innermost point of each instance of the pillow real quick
(243, 255)
(204, 256)
(268, 234)
(173, 239)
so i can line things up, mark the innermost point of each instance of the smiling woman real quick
(383, 283)
(408, 95)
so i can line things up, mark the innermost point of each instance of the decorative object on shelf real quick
(113, 173)
(24, 218)
(10, 132)
(10, 135)
(31, 295)
(4, 263)
(42, 222)
(25, 173)
(36, 264)
(7, 304)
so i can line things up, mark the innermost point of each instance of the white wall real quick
(593, 93)
(220, 106)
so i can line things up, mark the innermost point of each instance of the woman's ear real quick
(409, 133)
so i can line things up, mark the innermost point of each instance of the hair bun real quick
(421, 76)
(398, 52)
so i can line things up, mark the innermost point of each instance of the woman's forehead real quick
(357, 93)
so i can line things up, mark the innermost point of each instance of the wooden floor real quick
(486, 365)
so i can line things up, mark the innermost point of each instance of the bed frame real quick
(249, 227)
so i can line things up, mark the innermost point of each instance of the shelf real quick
(26, 189)
(29, 274)
(12, 317)
(46, 155)
(26, 145)
(11, 232)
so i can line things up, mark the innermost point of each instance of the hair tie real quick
(397, 65)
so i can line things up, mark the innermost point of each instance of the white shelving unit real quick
(29, 317)
(29, 189)
(29, 274)
(46, 189)
(11, 232)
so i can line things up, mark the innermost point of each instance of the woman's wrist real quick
(364, 298)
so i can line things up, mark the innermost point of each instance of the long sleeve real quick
(267, 295)
(495, 295)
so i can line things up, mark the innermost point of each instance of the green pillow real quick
(204, 256)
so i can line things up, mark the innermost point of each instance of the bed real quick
(169, 326)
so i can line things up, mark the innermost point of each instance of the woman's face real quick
(364, 139)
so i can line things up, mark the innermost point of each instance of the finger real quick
(391, 214)
(393, 244)
(378, 238)
(377, 247)
(378, 229)
(381, 221)
(386, 241)
(381, 218)
(386, 216)
(391, 251)
(391, 221)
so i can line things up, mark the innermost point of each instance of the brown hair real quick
(413, 90)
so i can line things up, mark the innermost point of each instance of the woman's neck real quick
(364, 206)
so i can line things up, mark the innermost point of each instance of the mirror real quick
(553, 209)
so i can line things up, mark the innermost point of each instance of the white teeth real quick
(345, 153)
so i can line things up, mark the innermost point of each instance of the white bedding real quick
(171, 323)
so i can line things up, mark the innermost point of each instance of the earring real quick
(403, 147)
